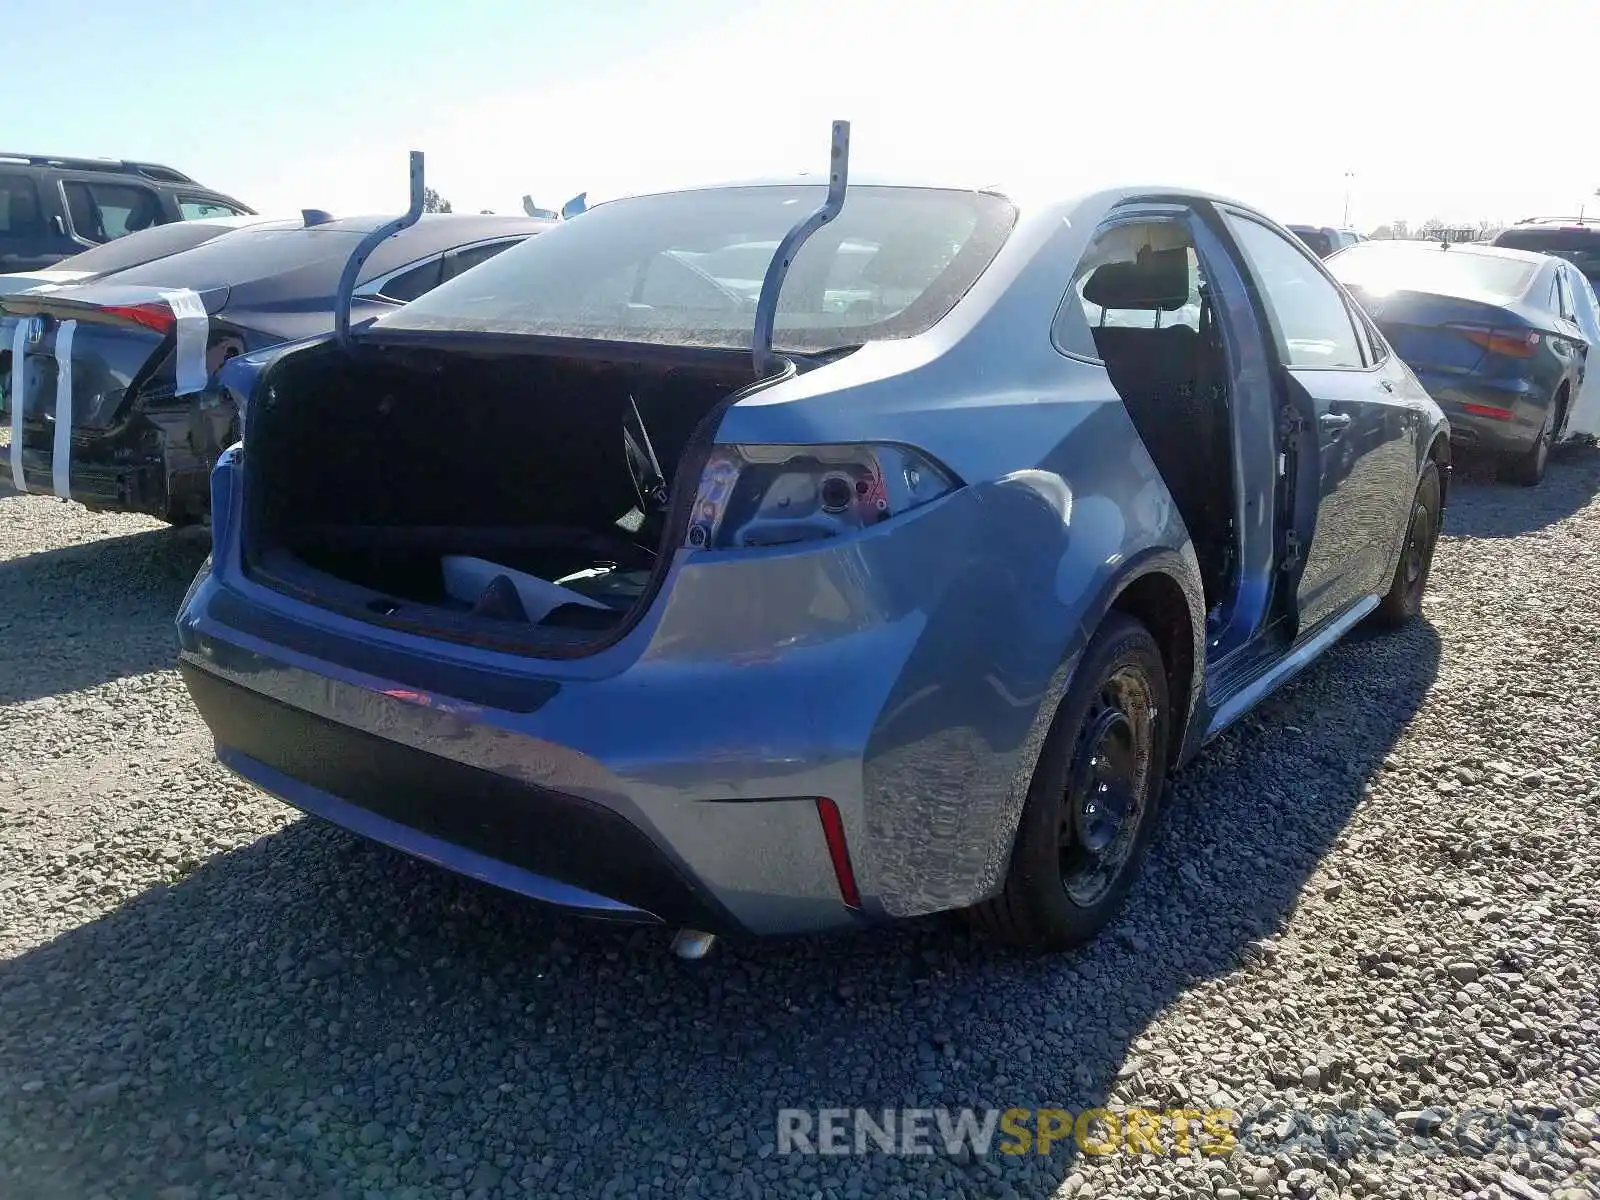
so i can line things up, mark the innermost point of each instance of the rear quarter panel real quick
(1062, 508)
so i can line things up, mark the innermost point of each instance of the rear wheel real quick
(1404, 599)
(1092, 803)
(1527, 467)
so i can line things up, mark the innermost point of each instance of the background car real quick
(1491, 332)
(52, 207)
(144, 426)
(1573, 238)
(1325, 239)
(134, 249)
(563, 577)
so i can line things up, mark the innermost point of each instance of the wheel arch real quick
(1565, 391)
(1158, 601)
(1439, 455)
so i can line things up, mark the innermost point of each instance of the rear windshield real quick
(685, 268)
(1427, 267)
(142, 247)
(244, 255)
(1579, 246)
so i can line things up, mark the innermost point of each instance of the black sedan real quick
(118, 406)
(1488, 331)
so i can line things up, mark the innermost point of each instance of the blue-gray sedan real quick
(546, 579)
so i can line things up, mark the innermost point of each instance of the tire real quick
(1527, 467)
(1404, 598)
(1058, 892)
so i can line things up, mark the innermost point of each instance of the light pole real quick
(1348, 176)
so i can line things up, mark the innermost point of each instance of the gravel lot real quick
(1380, 893)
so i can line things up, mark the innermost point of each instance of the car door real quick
(1365, 445)
(1584, 415)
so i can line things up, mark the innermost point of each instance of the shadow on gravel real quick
(78, 616)
(1482, 508)
(316, 1011)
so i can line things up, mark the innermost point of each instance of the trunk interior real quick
(481, 498)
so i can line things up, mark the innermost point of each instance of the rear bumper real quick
(667, 792)
(129, 472)
(540, 843)
(1467, 428)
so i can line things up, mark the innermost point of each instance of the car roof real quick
(267, 261)
(1034, 196)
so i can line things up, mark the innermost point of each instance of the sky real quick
(1405, 108)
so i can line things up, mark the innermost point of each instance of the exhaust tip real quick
(692, 944)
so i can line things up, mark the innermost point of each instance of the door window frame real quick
(1268, 314)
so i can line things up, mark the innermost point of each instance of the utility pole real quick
(1348, 176)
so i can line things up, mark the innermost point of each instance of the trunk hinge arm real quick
(767, 362)
(345, 296)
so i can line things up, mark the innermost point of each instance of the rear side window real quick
(195, 209)
(102, 211)
(1586, 315)
(1564, 297)
(408, 285)
(1312, 324)
(20, 216)
(470, 256)
(681, 268)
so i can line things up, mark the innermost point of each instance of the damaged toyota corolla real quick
(890, 578)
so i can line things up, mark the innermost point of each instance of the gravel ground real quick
(1378, 895)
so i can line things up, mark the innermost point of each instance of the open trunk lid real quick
(115, 340)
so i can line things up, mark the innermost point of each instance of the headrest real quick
(1156, 280)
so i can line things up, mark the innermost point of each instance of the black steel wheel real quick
(1404, 598)
(1092, 802)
